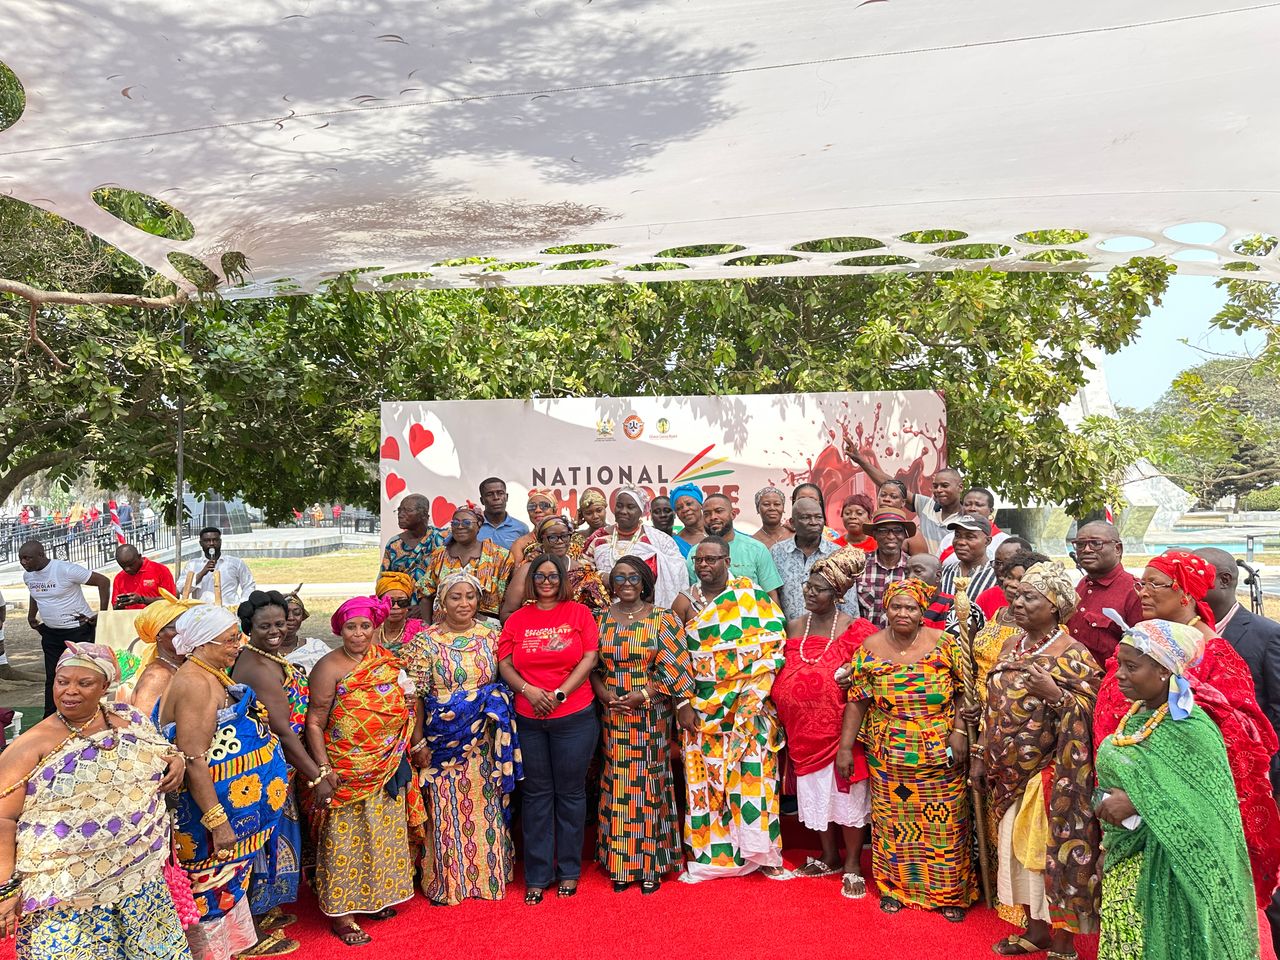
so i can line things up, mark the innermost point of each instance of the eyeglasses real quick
(404, 603)
(1141, 586)
(625, 578)
(464, 524)
(708, 560)
(814, 588)
(557, 537)
(894, 530)
(541, 577)
(1090, 543)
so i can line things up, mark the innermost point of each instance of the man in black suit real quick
(1257, 640)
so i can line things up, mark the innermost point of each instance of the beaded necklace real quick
(1020, 651)
(1121, 739)
(272, 657)
(614, 542)
(217, 674)
(835, 615)
(80, 730)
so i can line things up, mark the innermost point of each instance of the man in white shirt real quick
(57, 600)
(233, 578)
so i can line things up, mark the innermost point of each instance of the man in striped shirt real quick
(971, 536)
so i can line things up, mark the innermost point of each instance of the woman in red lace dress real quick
(1173, 587)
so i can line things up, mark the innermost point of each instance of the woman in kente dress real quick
(642, 677)
(84, 832)
(360, 725)
(471, 758)
(1036, 766)
(1176, 876)
(810, 706)
(237, 780)
(903, 701)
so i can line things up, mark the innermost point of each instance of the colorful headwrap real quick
(542, 493)
(470, 508)
(1050, 579)
(375, 608)
(154, 617)
(1176, 647)
(591, 497)
(691, 490)
(763, 491)
(202, 624)
(639, 496)
(295, 596)
(94, 656)
(547, 521)
(1193, 575)
(394, 580)
(841, 569)
(455, 578)
(917, 590)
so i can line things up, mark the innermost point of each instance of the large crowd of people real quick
(1092, 757)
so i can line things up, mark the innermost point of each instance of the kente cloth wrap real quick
(923, 858)
(1026, 739)
(1224, 690)
(731, 761)
(809, 702)
(1193, 891)
(250, 780)
(456, 721)
(1049, 579)
(1193, 575)
(638, 833)
(367, 738)
(92, 827)
(917, 590)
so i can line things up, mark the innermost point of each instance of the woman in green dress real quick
(643, 675)
(1176, 880)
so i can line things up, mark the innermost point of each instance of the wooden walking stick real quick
(964, 610)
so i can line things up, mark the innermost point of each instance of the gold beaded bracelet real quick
(214, 817)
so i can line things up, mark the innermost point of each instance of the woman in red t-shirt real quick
(545, 654)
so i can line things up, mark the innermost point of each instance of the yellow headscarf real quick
(154, 617)
(394, 580)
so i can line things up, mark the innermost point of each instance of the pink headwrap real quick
(375, 608)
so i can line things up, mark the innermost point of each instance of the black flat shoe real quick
(649, 886)
(564, 890)
(620, 885)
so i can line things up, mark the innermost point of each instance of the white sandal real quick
(853, 886)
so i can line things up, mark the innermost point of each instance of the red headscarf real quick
(1193, 575)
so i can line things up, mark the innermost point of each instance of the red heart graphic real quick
(395, 485)
(390, 449)
(442, 512)
(419, 439)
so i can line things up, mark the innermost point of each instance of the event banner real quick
(729, 444)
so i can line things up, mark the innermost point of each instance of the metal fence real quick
(91, 547)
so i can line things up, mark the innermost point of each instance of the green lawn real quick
(345, 566)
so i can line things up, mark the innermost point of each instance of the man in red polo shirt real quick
(1106, 583)
(139, 581)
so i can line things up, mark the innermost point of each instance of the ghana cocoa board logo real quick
(632, 427)
(664, 426)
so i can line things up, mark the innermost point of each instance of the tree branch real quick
(41, 461)
(38, 298)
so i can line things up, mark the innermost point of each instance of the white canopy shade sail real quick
(393, 135)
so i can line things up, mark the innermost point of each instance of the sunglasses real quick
(464, 524)
(624, 578)
(541, 577)
(403, 603)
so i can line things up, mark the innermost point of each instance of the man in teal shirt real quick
(748, 557)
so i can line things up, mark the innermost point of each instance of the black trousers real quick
(54, 644)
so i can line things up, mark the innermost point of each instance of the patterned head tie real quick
(546, 522)
(1175, 646)
(542, 495)
(639, 496)
(94, 656)
(375, 608)
(455, 578)
(394, 580)
(1050, 580)
(841, 569)
(1193, 575)
(765, 491)
(917, 590)
(590, 499)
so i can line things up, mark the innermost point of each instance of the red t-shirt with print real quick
(545, 646)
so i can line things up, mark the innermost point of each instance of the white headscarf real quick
(201, 625)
